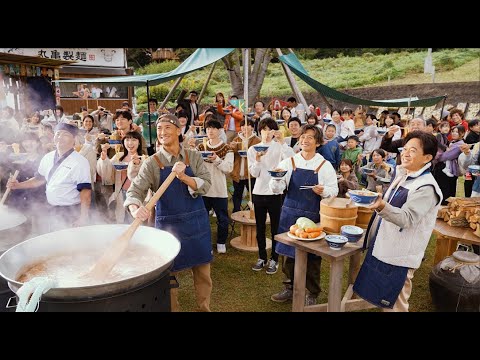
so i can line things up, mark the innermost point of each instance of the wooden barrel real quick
(336, 212)
(363, 217)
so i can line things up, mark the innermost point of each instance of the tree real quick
(261, 58)
(139, 57)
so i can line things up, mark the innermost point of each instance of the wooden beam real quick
(293, 85)
(300, 281)
(206, 82)
(348, 296)
(335, 286)
(350, 305)
(170, 93)
(246, 73)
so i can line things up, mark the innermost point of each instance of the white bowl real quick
(363, 197)
(352, 233)
(336, 242)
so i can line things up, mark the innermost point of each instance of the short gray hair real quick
(418, 118)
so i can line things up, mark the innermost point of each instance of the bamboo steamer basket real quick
(336, 212)
(363, 217)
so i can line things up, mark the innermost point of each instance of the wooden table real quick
(448, 237)
(248, 232)
(336, 258)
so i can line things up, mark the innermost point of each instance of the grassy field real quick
(469, 71)
(452, 65)
(236, 288)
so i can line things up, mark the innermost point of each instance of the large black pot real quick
(451, 292)
(86, 239)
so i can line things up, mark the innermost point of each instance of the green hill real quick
(452, 65)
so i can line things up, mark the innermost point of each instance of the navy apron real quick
(377, 282)
(299, 203)
(186, 218)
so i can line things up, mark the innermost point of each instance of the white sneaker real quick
(447, 172)
(221, 248)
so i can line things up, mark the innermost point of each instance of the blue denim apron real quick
(185, 218)
(299, 203)
(377, 282)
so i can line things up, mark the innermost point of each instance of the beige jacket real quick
(236, 145)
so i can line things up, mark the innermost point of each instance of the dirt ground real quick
(459, 92)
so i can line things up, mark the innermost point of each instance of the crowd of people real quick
(101, 166)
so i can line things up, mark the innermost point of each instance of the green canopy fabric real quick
(206, 56)
(294, 64)
(199, 59)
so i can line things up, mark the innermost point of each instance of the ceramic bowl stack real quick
(352, 233)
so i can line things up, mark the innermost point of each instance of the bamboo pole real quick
(149, 117)
(206, 83)
(5, 195)
(246, 61)
(294, 85)
(443, 105)
(170, 93)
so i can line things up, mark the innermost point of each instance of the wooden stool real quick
(248, 232)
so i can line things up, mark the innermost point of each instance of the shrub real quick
(158, 68)
(445, 63)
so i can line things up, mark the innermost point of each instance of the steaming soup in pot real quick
(69, 269)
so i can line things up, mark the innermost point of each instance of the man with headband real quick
(66, 174)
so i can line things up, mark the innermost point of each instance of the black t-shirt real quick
(472, 137)
(293, 142)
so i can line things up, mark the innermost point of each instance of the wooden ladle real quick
(5, 195)
(120, 244)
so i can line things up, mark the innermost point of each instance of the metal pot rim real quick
(33, 245)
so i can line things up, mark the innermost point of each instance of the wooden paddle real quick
(5, 195)
(120, 244)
